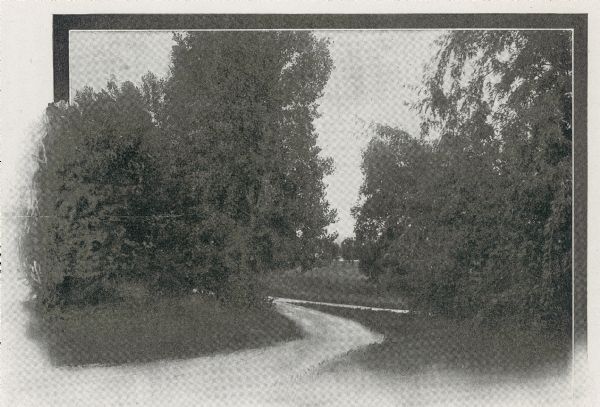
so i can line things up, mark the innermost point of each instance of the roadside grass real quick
(417, 343)
(166, 328)
(338, 282)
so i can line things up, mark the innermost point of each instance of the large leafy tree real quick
(245, 170)
(489, 184)
(520, 84)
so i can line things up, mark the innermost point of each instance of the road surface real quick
(287, 374)
(337, 305)
(259, 377)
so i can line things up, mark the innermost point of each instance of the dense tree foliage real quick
(198, 180)
(329, 249)
(474, 216)
(94, 185)
(349, 249)
(239, 110)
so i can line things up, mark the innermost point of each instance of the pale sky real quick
(373, 80)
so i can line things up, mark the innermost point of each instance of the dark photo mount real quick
(296, 209)
(62, 24)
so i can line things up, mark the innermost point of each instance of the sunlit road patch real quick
(332, 304)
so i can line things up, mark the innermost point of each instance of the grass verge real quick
(168, 328)
(339, 282)
(416, 343)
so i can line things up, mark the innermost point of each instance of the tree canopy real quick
(198, 180)
(474, 215)
(239, 111)
(349, 249)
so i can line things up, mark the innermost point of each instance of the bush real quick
(94, 178)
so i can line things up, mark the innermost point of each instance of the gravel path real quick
(269, 376)
(285, 375)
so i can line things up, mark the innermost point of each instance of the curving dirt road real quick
(287, 374)
(260, 377)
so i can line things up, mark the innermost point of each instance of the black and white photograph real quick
(299, 210)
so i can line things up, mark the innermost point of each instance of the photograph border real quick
(62, 24)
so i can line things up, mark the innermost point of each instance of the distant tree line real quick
(349, 249)
(472, 219)
(199, 180)
(331, 250)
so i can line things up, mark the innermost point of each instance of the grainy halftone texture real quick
(371, 82)
(97, 56)
(374, 80)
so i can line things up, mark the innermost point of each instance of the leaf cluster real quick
(473, 218)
